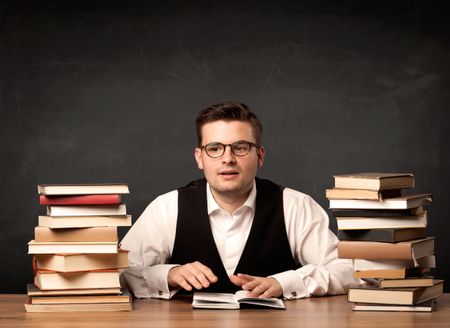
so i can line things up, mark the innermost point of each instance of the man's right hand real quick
(191, 275)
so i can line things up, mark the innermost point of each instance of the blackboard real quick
(108, 92)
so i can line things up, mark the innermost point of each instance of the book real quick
(82, 189)
(400, 273)
(357, 223)
(426, 306)
(399, 283)
(81, 262)
(401, 296)
(32, 290)
(43, 234)
(374, 181)
(233, 301)
(377, 212)
(382, 235)
(51, 280)
(124, 297)
(86, 210)
(339, 193)
(84, 222)
(402, 202)
(53, 247)
(89, 307)
(79, 200)
(423, 262)
(404, 250)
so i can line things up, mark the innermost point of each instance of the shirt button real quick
(294, 294)
(160, 292)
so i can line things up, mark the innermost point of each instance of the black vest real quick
(266, 251)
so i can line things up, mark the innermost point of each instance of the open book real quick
(233, 301)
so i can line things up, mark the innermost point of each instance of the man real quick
(231, 230)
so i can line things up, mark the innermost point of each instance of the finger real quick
(192, 280)
(250, 285)
(258, 290)
(246, 277)
(206, 272)
(185, 285)
(237, 280)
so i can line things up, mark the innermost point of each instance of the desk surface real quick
(331, 311)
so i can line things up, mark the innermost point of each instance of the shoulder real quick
(299, 203)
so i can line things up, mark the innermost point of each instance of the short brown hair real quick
(228, 111)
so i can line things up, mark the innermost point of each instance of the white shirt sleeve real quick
(150, 243)
(314, 246)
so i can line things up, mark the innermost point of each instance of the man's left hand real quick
(258, 286)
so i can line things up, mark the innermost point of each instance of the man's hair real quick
(228, 111)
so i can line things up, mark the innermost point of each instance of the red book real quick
(79, 200)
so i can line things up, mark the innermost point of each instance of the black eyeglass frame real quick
(251, 144)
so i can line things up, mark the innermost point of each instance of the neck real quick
(230, 202)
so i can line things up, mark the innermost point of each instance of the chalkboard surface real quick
(108, 92)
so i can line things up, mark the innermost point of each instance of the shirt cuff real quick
(292, 284)
(147, 282)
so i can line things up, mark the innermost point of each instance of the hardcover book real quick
(72, 247)
(86, 210)
(382, 235)
(374, 181)
(356, 223)
(402, 296)
(404, 250)
(50, 280)
(82, 262)
(43, 234)
(82, 189)
(402, 202)
(426, 306)
(79, 200)
(84, 221)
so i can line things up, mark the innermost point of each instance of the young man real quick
(231, 230)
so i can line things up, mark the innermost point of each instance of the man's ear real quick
(199, 158)
(261, 156)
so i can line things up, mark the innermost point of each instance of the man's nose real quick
(228, 155)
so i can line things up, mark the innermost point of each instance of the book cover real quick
(83, 189)
(401, 296)
(81, 262)
(32, 290)
(404, 250)
(403, 202)
(233, 301)
(50, 280)
(377, 213)
(80, 200)
(92, 307)
(382, 235)
(426, 306)
(400, 273)
(123, 297)
(62, 222)
(383, 264)
(374, 181)
(338, 193)
(43, 234)
(407, 282)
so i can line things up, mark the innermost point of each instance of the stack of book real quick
(76, 257)
(383, 231)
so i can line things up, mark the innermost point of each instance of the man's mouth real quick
(229, 173)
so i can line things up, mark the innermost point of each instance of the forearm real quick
(332, 279)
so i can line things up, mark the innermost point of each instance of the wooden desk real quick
(316, 312)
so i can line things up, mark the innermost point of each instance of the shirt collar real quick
(213, 206)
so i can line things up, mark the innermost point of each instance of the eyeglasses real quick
(239, 148)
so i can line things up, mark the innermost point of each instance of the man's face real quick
(229, 174)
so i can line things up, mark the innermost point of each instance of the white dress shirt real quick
(151, 239)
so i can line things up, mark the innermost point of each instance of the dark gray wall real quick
(108, 92)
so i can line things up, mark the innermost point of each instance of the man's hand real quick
(191, 275)
(258, 286)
